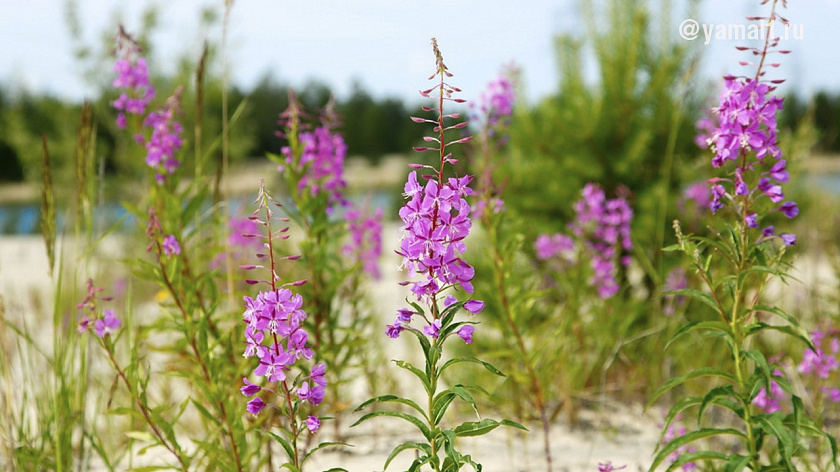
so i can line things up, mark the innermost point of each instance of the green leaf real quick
(424, 379)
(396, 414)
(290, 453)
(677, 443)
(440, 404)
(422, 447)
(392, 399)
(704, 372)
(714, 396)
(690, 457)
(696, 294)
(792, 331)
(717, 326)
(736, 463)
(322, 446)
(475, 428)
(144, 436)
(773, 423)
(486, 365)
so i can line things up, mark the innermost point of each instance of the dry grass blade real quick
(47, 205)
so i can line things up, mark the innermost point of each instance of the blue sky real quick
(382, 43)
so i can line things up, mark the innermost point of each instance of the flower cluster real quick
(132, 80)
(321, 164)
(165, 139)
(823, 361)
(274, 333)
(436, 221)
(495, 105)
(556, 244)
(604, 227)
(106, 323)
(745, 123)
(365, 239)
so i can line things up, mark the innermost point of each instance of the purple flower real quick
(751, 220)
(768, 399)
(833, 393)
(164, 141)
(433, 330)
(779, 171)
(789, 209)
(393, 331)
(321, 164)
(466, 333)
(312, 424)
(366, 240)
(550, 246)
(85, 323)
(249, 389)
(608, 467)
(132, 81)
(474, 306)
(821, 362)
(107, 324)
(171, 246)
(255, 406)
(788, 239)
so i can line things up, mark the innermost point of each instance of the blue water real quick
(25, 218)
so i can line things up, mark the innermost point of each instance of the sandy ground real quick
(623, 434)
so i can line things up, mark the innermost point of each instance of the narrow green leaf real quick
(424, 379)
(696, 294)
(717, 326)
(773, 423)
(676, 443)
(290, 453)
(486, 365)
(396, 414)
(704, 372)
(322, 446)
(713, 396)
(692, 457)
(391, 399)
(144, 436)
(476, 428)
(425, 448)
(736, 463)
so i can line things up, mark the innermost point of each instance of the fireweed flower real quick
(321, 164)
(132, 80)
(744, 124)
(492, 114)
(104, 323)
(164, 140)
(825, 360)
(365, 240)
(274, 333)
(436, 221)
(171, 246)
(603, 226)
